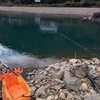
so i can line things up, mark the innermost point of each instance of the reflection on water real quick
(13, 58)
(29, 37)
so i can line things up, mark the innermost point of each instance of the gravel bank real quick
(52, 10)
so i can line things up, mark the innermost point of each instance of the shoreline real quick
(52, 10)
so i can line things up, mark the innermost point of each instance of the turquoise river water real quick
(33, 40)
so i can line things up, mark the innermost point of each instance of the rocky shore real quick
(73, 79)
(52, 10)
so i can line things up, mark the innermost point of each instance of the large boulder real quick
(96, 17)
(72, 83)
(92, 97)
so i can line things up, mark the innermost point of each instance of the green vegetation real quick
(51, 3)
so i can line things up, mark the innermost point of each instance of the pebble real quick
(84, 87)
(62, 95)
(70, 97)
(65, 80)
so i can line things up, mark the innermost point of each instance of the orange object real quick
(13, 87)
(18, 70)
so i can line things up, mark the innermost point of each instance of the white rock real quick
(73, 60)
(58, 81)
(70, 97)
(96, 60)
(84, 87)
(50, 97)
(63, 63)
(92, 67)
(86, 62)
(56, 97)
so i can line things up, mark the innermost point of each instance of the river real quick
(35, 40)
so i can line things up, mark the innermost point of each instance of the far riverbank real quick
(52, 10)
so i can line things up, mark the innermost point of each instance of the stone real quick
(81, 72)
(67, 75)
(33, 89)
(58, 81)
(72, 84)
(92, 97)
(86, 62)
(97, 81)
(98, 69)
(41, 90)
(91, 67)
(50, 97)
(62, 95)
(57, 87)
(92, 91)
(77, 97)
(93, 73)
(73, 60)
(96, 15)
(56, 66)
(70, 97)
(31, 73)
(87, 81)
(39, 99)
(58, 75)
(84, 87)
(65, 91)
(56, 97)
(96, 60)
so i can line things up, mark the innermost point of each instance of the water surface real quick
(36, 40)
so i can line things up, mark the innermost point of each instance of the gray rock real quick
(77, 97)
(58, 75)
(79, 71)
(92, 91)
(93, 73)
(33, 88)
(96, 15)
(92, 97)
(97, 80)
(41, 91)
(72, 83)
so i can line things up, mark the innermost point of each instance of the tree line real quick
(75, 3)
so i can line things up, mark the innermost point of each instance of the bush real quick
(88, 3)
(98, 4)
(9, 4)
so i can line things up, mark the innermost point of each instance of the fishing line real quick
(79, 45)
(48, 39)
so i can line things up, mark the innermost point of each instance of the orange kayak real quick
(14, 87)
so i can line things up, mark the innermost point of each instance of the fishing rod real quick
(79, 45)
(7, 67)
